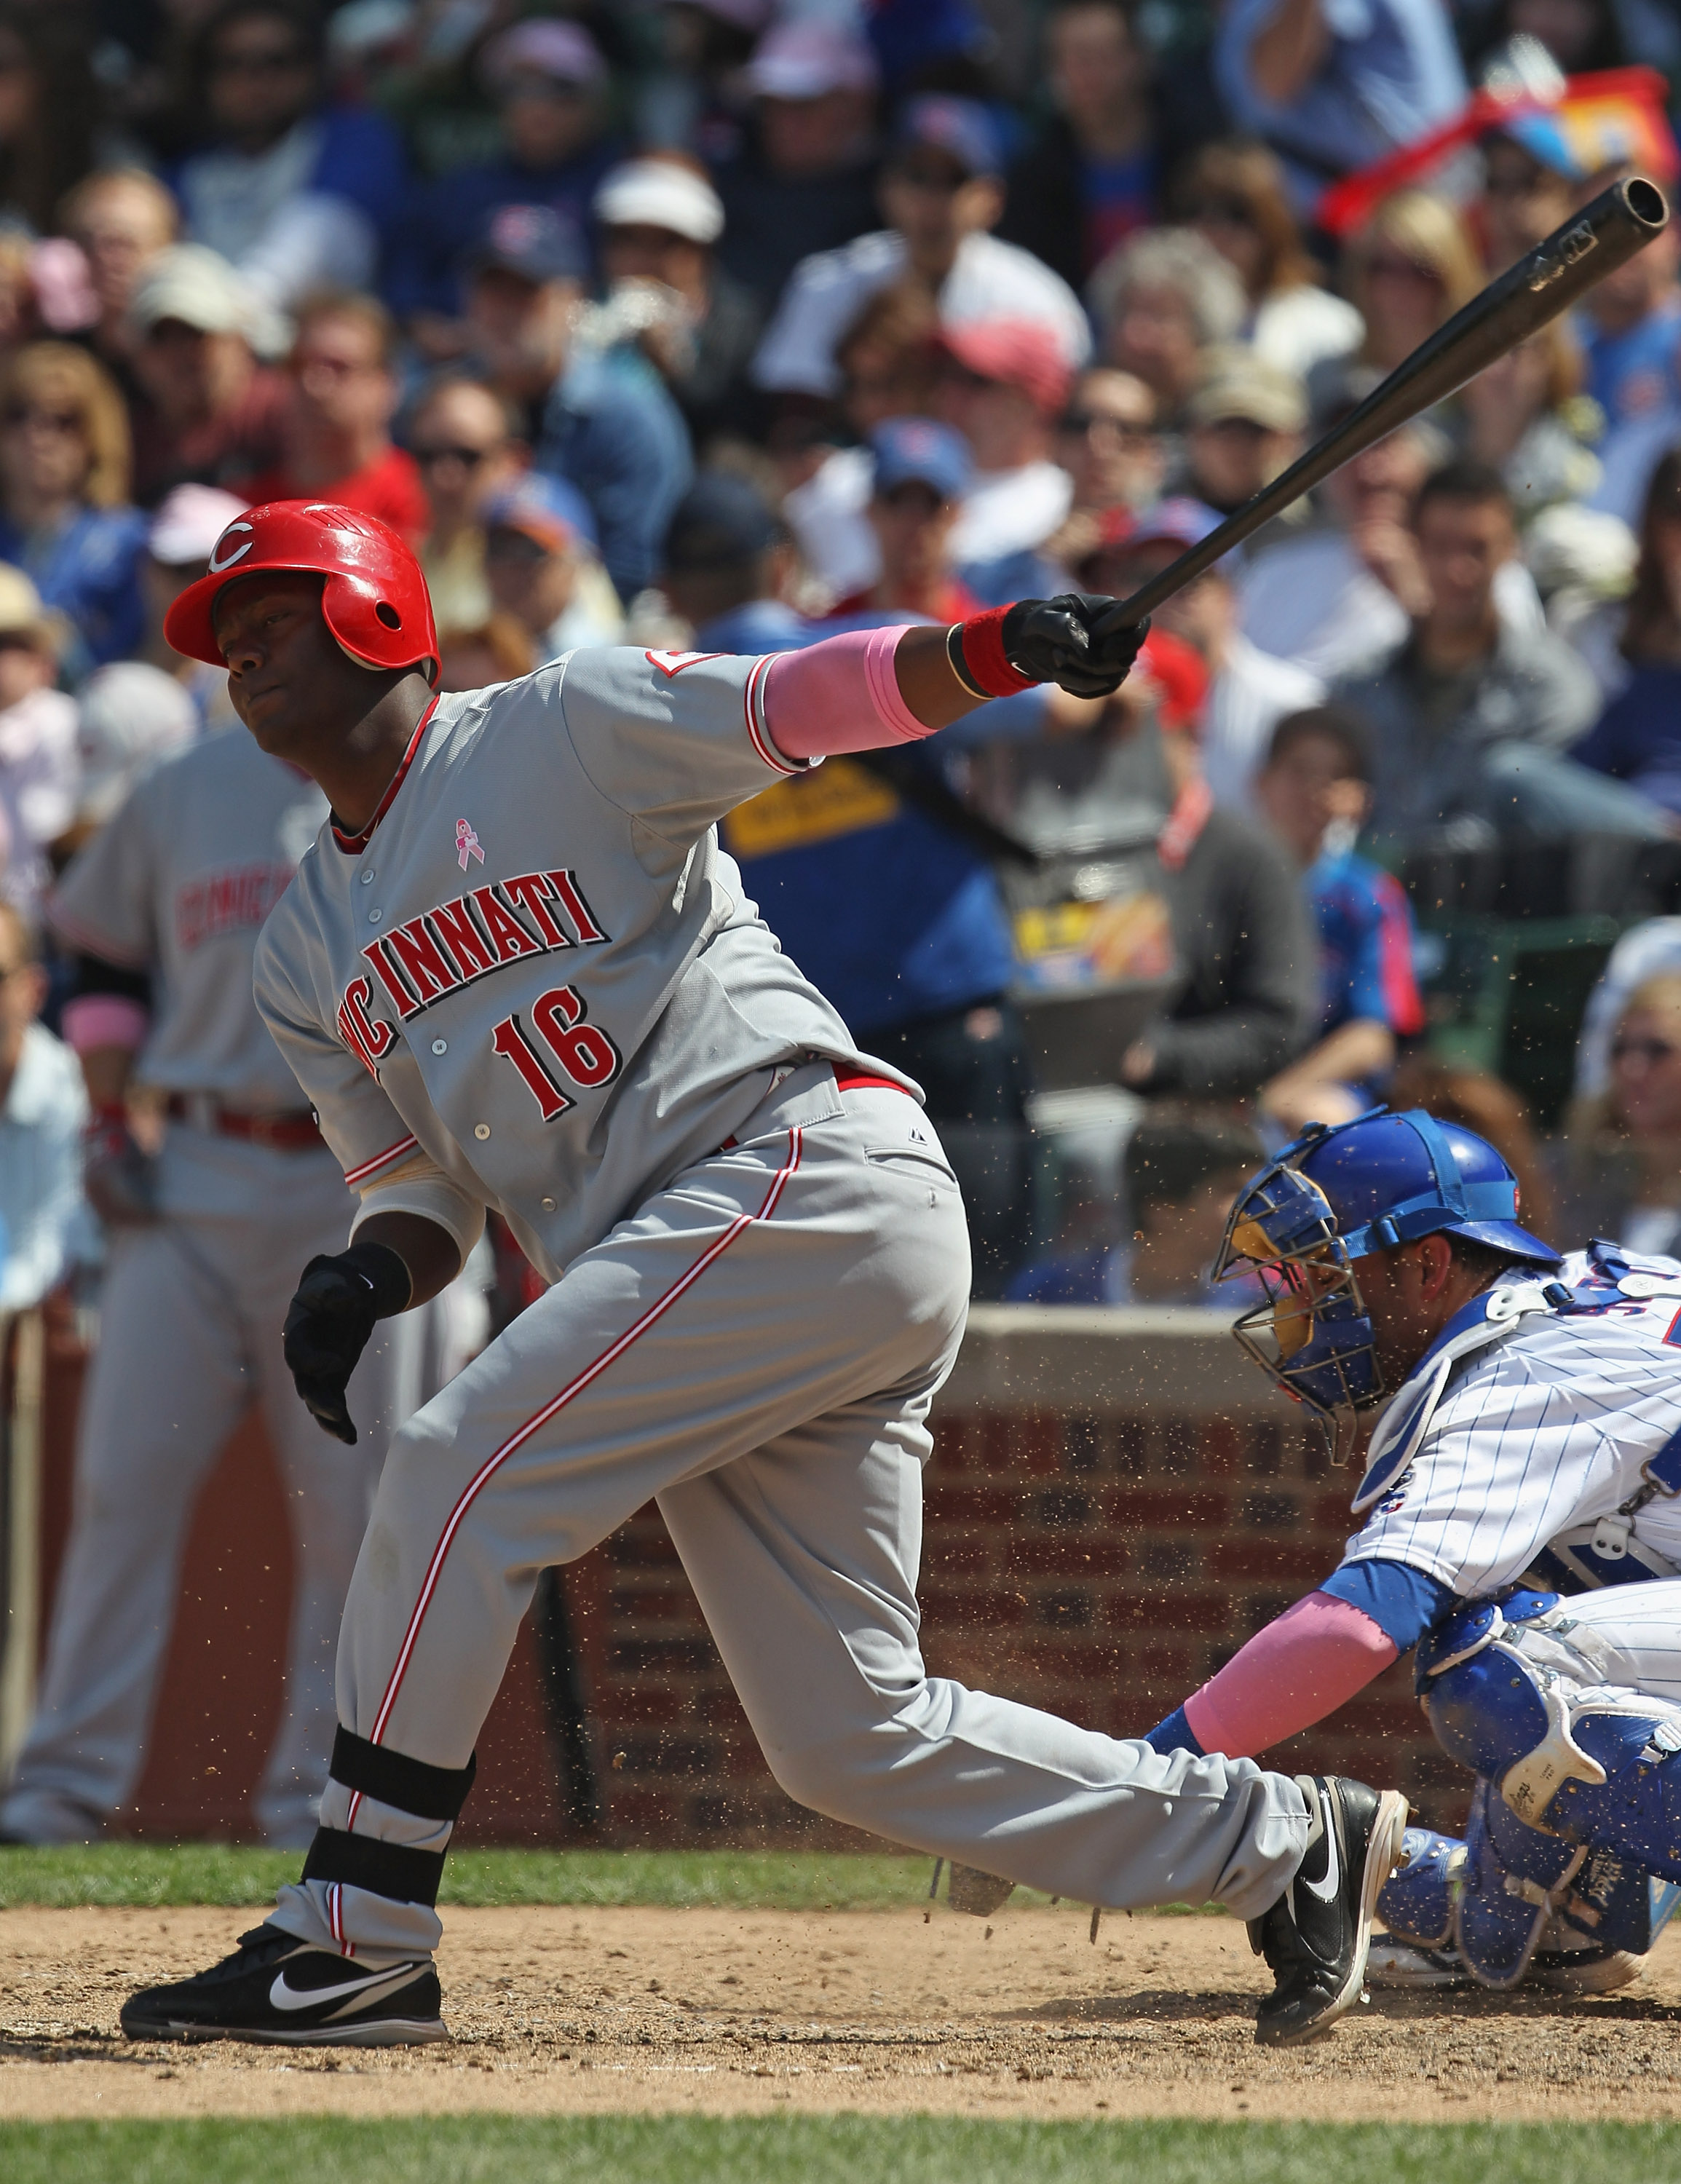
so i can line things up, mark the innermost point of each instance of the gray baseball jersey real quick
(179, 884)
(535, 964)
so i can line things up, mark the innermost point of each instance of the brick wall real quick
(1100, 1557)
(1115, 1502)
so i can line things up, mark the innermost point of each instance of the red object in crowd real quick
(1179, 672)
(1018, 353)
(1639, 134)
(374, 600)
(955, 603)
(389, 487)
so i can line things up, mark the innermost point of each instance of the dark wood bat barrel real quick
(1555, 275)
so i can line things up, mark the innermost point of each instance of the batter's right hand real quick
(118, 1179)
(331, 1315)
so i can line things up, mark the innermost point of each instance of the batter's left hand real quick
(332, 1316)
(1073, 642)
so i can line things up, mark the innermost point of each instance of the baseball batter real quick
(164, 906)
(516, 971)
(1533, 1438)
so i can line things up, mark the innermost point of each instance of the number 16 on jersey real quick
(563, 1047)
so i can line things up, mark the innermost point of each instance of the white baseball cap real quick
(659, 193)
(564, 52)
(193, 284)
(804, 61)
(127, 715)
(188, 523)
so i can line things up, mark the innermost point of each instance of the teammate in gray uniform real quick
(205, 1243)
(516, 971)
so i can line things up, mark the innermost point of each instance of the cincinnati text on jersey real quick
(457, 943)
(228, 902)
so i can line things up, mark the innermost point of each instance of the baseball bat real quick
(1573, 259)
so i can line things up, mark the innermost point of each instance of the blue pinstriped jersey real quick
(1524, 1420)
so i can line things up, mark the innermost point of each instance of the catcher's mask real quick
(1310, 1332)
(1329, 1199)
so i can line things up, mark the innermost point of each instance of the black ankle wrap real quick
(430, 1793)
(384, 1868)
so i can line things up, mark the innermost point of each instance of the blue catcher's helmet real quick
(1332, 1198)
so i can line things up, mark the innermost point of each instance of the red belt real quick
(283, 1133)
(868, 1085)
(854, 1083)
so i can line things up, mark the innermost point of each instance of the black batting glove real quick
(118, 1180)
(1074, 641)
(331, 1317)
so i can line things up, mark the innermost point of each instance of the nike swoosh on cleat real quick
(1326, 1890)
(282, 1996)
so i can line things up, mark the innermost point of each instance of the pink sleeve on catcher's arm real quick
(840, 695)
(1289, 1675)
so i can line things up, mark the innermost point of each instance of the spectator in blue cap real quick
(922, 472)
(540, 567)
(600, 418)
(941, 191)
(549, 82)
(727, 560)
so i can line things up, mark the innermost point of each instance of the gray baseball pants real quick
(190, 1324)
(757, 1348)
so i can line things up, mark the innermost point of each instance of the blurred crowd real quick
(730, 323)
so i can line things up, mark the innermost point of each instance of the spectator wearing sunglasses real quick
(1407, 271)
(64, 513)
(1234, 196)
(942, 192)
(462, 437)
(1107, 442)
(1625, 1142)
(297, 193)
(541, 566)
(336, 436)
(550, 86)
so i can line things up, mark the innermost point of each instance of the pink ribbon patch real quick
(466, 844)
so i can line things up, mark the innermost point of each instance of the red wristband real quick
(982, 641)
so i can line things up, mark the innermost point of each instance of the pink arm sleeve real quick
(840, 695)
(103, 1020)
(1289, 1675)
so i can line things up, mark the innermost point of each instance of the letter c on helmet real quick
(219, 561)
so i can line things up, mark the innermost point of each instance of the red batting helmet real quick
(374, 600)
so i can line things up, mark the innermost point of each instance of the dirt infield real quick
(575, 2010)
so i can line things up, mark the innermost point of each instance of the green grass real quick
(150, 1873)
(844, 2149)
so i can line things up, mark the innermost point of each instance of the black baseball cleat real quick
(1316, 1936)
(278, 1990)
